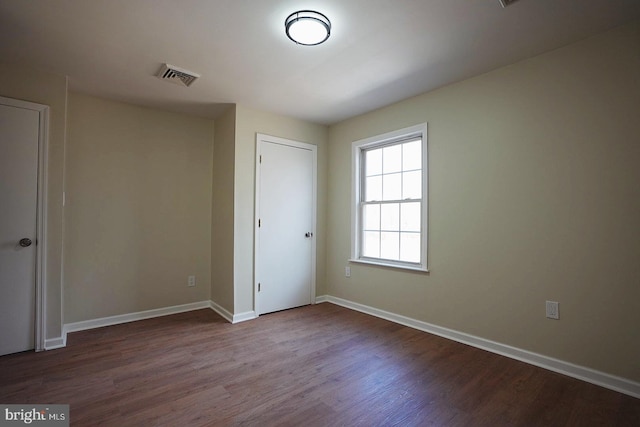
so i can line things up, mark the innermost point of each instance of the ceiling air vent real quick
(176, 75)
(505, 3)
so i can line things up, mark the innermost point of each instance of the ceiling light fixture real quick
(307, 27)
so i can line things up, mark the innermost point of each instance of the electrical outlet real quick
(553, 311)
(191, 281)
(347, 271)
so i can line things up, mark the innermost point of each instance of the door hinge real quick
(260, 158)
(258, 287)
(259, 223)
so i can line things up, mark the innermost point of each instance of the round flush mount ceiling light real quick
(307, 27)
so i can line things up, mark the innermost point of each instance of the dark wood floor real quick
(319, 365)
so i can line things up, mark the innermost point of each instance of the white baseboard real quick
(612, 382)
(131, 317)
(53, 343)
(226, 315)
(243, 317)
(232, 318)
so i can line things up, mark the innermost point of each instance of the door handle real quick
(25, 242)
(308, 234)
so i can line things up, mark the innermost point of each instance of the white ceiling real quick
(379, 52)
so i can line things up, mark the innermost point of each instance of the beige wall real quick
(43, 88)
(222, 210)
(534, 195)
(248, 123)
(138, 208)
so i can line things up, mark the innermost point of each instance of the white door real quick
(285, 211)
(19, 128)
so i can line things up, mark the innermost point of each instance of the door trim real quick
(41, 215)
(260, 138)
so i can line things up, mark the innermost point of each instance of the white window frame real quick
(357, 147)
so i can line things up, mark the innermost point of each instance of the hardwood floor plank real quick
(315, 366)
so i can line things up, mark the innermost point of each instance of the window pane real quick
(410, 247)
(371, 244)
(373, 188)
(390, 217)
(391, 208)
(412, 155)
(392, 159)
(372, 217)
(410, 216)
(390, 245)
(373, 162)
(412, 185)
(391, 187)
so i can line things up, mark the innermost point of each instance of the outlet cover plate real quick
(553, 311)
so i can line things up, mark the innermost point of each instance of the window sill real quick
(390, 265)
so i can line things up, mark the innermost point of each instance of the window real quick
(389, 219)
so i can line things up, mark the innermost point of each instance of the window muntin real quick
(390, 199)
